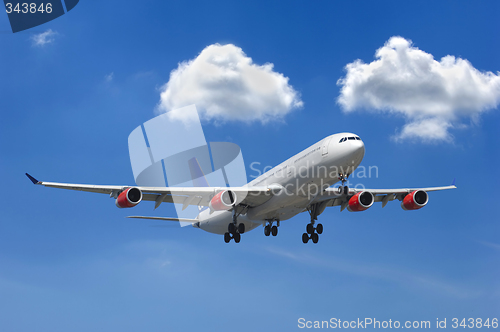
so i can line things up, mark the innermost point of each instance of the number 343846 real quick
(474, 323)
(28, 8)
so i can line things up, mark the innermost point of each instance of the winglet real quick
(453, 183)
(35, 181)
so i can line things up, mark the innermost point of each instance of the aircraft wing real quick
(199, 196)
(334, 198)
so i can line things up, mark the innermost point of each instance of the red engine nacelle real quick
(361, 201)
(415, 200)
(130, 197)
(223, 201)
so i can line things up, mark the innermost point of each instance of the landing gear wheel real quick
(340, 190)
(241, 228)
(267, 230)
(319, 228)
(305, 238)
(227, 237)
(346, 190)
(314, 238)
(237, 237)
(231, 228)
(315, 210)
(274, 230)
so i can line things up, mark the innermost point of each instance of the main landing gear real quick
(270, 229)
(312, 233)
(234, 230)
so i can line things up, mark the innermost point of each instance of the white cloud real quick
(109, 77)
(225, 84)
(433, 96)
(41, 39)
(427, 129)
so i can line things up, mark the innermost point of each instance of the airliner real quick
(302, 183)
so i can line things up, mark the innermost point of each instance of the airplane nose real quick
(358, 148)
(350, 146)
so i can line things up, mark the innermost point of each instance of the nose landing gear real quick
(343, 189)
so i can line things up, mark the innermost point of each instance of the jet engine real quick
(361, 201)
(130, 197)
(223, 200)
(415, 200)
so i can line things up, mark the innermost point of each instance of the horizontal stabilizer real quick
(164, 218)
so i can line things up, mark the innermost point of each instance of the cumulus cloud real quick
(225, 85)
(433, 96)
(41, 39)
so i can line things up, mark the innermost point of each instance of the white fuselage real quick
(298, 180)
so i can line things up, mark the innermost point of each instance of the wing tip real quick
(453, 182)
(35, 181)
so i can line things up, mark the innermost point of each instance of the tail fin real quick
(197, 175)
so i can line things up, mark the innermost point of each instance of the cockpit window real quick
(355, 138)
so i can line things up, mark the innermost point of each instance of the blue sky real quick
(71, 261)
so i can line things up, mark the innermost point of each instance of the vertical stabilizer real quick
(197, 175)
